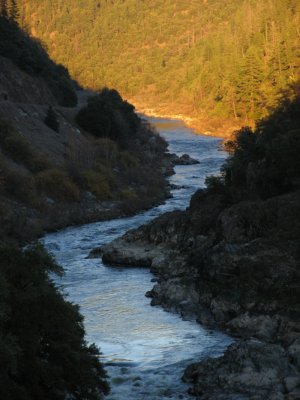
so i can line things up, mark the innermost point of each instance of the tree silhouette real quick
(3, 8)
(51, 119)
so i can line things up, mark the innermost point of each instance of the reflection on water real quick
(145, 348)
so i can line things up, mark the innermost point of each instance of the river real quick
(145, 348)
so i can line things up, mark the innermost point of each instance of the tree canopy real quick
(42, 348)
(205, 58)
(264, 162)
(108, 115)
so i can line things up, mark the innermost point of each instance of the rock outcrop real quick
(185, 159)
(236, 268)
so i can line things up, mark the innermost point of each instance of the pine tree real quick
(3, 8)
(248, 87)
(14, 11)
(51, 119)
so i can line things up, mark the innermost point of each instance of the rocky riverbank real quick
(235, 267)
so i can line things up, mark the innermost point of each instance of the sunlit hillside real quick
(213, 59)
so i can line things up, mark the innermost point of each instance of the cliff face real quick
(235, 267)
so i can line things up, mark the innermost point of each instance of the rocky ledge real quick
(185, 159)
(235, 267)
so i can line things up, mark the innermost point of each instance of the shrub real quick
(129, 195)
(127, 160)
(215, 184)
(98, 184)
(56, 184)
(21, 186)
(106, 150)
(20, 150)
(107, 115)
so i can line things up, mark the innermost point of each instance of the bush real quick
(56, 184)
(107, 115)
(20, 150)
(127, 160)
(21, 186)
(215, 184)
(17, 226)
(106, 150)
(98, 184)
(129, 195)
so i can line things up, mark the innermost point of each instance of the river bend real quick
(145, 348)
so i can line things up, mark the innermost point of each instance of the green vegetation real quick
(122, 153)
(42, 349)
(106, 168)
(29, 55)
(264, 162)
(56, 184)
(211, 59)
(108, 115)
(99, 184)
(15, 146)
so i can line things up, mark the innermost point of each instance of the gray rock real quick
(294, 352)
(250, 367)
(237, 267)
(185, 159)
(263, 326)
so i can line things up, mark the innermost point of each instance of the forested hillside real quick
(209, 59)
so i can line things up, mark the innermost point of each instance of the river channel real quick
(145, 349)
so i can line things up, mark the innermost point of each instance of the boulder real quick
(249, 369)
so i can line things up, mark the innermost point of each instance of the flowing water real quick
(145, 349)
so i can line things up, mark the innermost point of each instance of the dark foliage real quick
(51, 119)
(108, 115)
(42, 349)
(29, 55)
(265, 162)
(3, 8)
(16, 147)
(13, 11)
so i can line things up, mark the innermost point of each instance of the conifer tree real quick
(51, 119)
(14, 11)
(3, 8)
(250, 79)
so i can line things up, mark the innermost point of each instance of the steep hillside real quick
(29, 55)
(221, 63)
(43, 350)
(56, 170)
